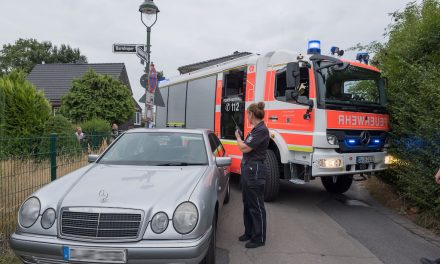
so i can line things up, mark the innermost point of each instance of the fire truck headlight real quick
(330, 163)
(390, 160)
(332, 140)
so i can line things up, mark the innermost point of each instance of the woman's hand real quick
(237, 134)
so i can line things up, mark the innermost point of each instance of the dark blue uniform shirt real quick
(258, 140)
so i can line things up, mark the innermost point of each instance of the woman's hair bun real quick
(261, 105)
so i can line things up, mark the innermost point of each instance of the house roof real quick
(208, 63)
(56, 79)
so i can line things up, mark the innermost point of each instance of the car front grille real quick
(99, 225)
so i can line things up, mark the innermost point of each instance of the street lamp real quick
(150, 10)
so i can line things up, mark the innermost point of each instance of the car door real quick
(221, 173)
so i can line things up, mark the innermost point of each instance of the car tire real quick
(272, 178)
(210, 255)
(228, 193)
(341, 185)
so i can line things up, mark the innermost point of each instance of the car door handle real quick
(273, 117)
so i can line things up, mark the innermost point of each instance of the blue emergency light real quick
(314, 47)
(336, 50)
(363, 57)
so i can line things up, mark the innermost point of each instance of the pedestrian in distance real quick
(115, 132)
(425, 260)
(253, 177)
(79, 134)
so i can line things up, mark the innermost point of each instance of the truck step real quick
(297, 181)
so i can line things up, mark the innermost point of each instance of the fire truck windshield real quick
(354, 87)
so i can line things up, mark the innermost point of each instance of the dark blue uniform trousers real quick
(253, 179)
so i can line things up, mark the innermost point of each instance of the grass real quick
(8, 257)
(389, 197)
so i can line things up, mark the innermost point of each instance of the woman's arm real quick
(241, 145)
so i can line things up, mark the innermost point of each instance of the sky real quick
(189, 31)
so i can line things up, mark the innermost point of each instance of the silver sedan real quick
(153, 196)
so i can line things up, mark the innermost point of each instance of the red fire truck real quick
(327, 116)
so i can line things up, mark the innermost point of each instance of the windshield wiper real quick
(178, 163)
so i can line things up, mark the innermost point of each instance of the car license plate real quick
(365, 159)
(87, 255)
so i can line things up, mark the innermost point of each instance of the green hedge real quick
(411, 62)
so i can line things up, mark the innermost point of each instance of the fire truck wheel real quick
(342, 184)
(272, 177)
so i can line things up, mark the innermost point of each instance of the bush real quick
(98, 96)
(67, 143)
(23, 113)
(96, 131)
(411, 61)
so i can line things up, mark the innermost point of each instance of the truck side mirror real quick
(292, 75)
(291, 95)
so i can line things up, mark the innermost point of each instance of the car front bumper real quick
(46, 249)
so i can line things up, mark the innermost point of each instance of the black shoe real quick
(244, 238)
(428, 261)
(251, 244)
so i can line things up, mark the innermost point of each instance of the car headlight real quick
(185, 218)
(48, 218)
(29, 212)
(159, 223)
(332, 140)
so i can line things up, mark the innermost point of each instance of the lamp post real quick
(150, 11)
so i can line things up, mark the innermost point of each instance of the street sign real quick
(144, 81)
(140, 52)
(125, 48)
(153, 79)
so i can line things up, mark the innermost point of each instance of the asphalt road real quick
(308, 225)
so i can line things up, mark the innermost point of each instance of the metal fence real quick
(26, 164)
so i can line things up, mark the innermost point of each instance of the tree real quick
(23, 109)
(98, 96)
(26, 53)
(411, 62)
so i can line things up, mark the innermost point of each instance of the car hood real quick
(135, 187)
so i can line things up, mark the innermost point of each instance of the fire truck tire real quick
(341, 185)
(272, 177)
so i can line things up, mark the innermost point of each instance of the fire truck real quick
(327, 116)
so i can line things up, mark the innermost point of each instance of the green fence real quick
(26, 164)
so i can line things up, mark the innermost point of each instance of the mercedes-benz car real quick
(153, 196)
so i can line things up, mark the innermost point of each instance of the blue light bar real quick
(363, 57)
(314, 47)
(352, 141)
(376, 141)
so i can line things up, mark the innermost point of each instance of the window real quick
(235, 83)
(153, 149)
(137, 118)
(281, 84)
(216, 146)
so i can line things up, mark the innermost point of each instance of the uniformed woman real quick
(253, 177)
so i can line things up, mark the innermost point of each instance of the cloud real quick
(188, 31)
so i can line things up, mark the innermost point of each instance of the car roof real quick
(169, 130)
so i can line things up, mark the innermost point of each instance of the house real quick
(56, 80)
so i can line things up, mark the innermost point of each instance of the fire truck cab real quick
(327, 117)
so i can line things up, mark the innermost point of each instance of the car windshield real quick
(354, 86)
(157, 149)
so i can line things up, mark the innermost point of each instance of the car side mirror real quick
(92, 158)
(292, 95)
(292, 75)
(223, 161)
